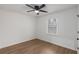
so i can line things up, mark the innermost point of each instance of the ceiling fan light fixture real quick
(36, 11)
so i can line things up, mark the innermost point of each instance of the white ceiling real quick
(21, 8)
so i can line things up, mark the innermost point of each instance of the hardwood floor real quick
(36, 46)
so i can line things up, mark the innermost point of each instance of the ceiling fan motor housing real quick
(37, 7)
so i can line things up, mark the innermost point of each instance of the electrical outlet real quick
(78, 48)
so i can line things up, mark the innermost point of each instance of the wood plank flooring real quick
(36, 46)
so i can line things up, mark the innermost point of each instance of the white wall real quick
(66, 28)
(15, 28)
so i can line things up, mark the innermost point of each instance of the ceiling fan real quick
(37, 8)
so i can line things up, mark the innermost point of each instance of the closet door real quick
(78, 30)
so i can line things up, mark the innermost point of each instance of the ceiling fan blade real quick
(43, 5)
(29, 6)
(43, 11)
(30, 10)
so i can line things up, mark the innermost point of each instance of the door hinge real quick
(77, 15)
(77, 38)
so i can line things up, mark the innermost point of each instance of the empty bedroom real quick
(39, 29)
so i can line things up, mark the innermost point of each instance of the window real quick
(52, 26)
